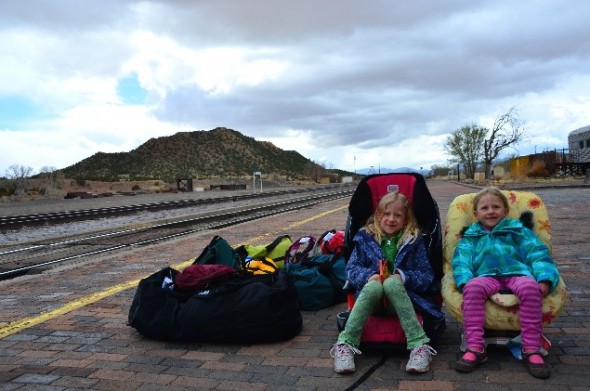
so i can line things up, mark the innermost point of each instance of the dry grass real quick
(511, 179)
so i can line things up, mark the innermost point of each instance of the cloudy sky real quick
(351, 84)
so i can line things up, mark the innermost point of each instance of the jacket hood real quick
(507, 224)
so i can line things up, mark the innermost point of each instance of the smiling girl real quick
(498, 252)
(390, 241)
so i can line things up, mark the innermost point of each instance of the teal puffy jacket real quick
(510, 249)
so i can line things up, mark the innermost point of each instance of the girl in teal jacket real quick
(498, 252)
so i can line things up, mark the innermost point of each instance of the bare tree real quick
(507, 130)
(314, 170)
(465, 145)
(53, 176)
(19, 174)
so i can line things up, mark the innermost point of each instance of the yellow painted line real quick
(22, 324)
(14, 327)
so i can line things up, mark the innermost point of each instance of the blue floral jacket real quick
(411, 260)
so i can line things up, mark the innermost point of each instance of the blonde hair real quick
(490, 190)
(411, 229)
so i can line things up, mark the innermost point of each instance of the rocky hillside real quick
(218, 153)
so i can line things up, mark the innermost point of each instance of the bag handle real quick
(207, 249)
(301, 249)
(272, 245)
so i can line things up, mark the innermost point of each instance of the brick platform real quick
(70, 325)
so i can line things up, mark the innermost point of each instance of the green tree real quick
(439, 170)
(465, 146)
(507, 130)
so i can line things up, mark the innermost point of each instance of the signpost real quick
(259, 174)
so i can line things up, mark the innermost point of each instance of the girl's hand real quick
(397, 276)
(375, 277)
(544, 287)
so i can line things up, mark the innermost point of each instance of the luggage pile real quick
(247, 295)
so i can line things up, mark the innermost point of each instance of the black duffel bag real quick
(246, 310)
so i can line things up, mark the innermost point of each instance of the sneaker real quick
(343, 355)
(420, 359)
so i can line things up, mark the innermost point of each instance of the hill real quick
(218, 153)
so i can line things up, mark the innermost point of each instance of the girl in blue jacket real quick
(498, 252)
(391, 238)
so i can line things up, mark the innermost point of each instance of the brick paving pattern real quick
(91, 348)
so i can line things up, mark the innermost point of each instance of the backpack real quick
(219, 252)
(275, 250)
(300, 249)
(319, 280)
(331, 242)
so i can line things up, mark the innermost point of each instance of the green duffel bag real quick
(319, 280)
(219, 252)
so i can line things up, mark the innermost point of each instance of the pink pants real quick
(530, 296)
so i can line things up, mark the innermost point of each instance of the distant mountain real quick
(218, 153)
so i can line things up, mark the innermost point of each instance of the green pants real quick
(370, 301)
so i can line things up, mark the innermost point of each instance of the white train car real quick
(579, 144)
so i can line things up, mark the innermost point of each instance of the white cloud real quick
(385, 82)
(79, 133)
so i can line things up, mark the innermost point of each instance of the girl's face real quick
(393, 218)
(490, 211)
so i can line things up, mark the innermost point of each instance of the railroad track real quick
(9, 223)
(36, 257)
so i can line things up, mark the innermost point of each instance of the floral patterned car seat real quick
(501, 309)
